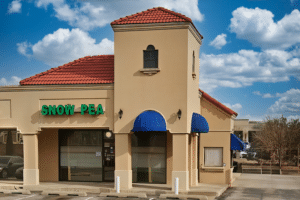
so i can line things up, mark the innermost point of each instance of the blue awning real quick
(199, 124)
(236, 143)
(149, 121)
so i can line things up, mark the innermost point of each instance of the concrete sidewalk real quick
(202, 189)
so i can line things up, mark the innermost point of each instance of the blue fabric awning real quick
(236, 143)
(199, 124)
(149, 121)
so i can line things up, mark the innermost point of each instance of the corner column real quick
(194, 161)
(31, 155)
(180, 161)
(245, 135)
(123, 163)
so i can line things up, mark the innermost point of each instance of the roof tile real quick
(86, 70)
(154, 15)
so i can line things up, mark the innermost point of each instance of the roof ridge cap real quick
(175, 13)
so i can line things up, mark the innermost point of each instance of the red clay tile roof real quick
(154, 15)
(87, 70)
(218, 104)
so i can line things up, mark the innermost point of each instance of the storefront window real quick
(80, 155)
(213, 156)
(11, 154)
(149, 157)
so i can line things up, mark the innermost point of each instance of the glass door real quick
(149, 157)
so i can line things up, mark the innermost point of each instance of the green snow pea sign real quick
(69, 109)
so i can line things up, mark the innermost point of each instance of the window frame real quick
(222, 159)
(151, 50)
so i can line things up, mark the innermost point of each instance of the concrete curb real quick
(8, 187)
(181, 196)
(15, 191)
(221, 191)
(61, 193)
(150, 192)
(128, 195)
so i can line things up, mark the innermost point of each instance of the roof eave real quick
(218, 104)
(159, 26)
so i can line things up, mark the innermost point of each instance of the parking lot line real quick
(26, 197)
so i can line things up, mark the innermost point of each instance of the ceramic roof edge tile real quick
(159, 19)
(217, 103)
(30, 80)
(175, 13)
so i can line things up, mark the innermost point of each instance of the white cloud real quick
(89, 15)
(257, 93)
(293, 117)
(15, 7)
(251, 117)
(64, 46)
(45, 3)
(258, 27)
(23, 48)
(266, 95)
(241, 69)
(14, 80)
(287, 105)
(219, 41)
(236, 107)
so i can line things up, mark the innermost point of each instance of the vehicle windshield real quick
(4, 160)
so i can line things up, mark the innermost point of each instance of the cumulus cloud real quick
(236, 107)
(258, 27)
(89, 15)
(15, 7)
(64, 46)
(23, 48)
(241, 69)
(14, 80)
(219, 41)
(266, 95)
(287, 105)
(252, 117)
(257, 93)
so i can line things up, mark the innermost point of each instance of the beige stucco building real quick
(245, 129)
(136, 114)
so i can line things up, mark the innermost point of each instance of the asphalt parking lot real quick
(263, 187)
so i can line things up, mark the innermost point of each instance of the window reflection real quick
(149, 157)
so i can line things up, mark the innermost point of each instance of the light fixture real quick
(179, 114)
(120, 113)
(108, 134)
(196, 134)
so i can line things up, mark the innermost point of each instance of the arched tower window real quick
(150, 57)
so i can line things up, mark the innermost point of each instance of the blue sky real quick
(249, 59)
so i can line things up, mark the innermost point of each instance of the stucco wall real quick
(26, 103)
(220, 125)
(217, 119)
(169, 158)
(164, 92)
(192, 83)
(48, 155)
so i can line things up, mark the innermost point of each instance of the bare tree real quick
(278, 136)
